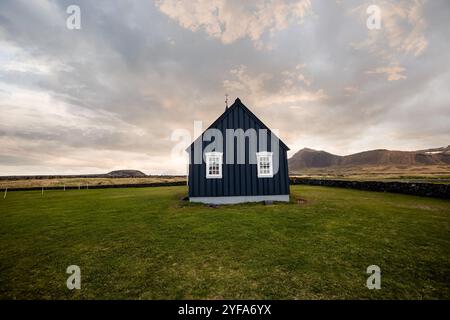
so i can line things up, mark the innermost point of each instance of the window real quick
(213, 165)
(265, 167)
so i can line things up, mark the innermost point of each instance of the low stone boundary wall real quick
(418, 189)
(435, 190)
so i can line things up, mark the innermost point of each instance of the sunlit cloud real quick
(402, 29)
(293, 87)
(233, 20)
(392, 73)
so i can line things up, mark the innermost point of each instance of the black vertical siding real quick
(239, 179)
(236, 167)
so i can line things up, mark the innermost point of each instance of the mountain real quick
(306, 159)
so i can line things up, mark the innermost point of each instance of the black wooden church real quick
(238, 159)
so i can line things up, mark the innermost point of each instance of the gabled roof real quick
(238, 103)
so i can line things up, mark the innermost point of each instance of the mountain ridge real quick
(308, 158)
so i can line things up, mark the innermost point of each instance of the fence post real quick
(42, 191)
(6, 191)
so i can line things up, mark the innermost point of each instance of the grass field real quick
(82, 182)
(147, 244)
(429, 174)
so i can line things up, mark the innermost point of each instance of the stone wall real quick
(418, 189)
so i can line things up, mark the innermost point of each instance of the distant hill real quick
(126, 174)
(307, 159)
(310, 158)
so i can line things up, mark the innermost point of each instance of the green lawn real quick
(145, 243)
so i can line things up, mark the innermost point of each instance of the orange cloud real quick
(393, 73)
(232, 21)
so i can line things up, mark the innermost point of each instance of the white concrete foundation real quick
(239, 199)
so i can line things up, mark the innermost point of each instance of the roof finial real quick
(226, 101)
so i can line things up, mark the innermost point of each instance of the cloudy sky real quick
(110, 95)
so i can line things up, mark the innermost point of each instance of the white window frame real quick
(208, 157)
(259, 157)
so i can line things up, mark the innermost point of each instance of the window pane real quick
(213, 165)
(265, 165)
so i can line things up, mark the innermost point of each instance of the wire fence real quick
(89, 186)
